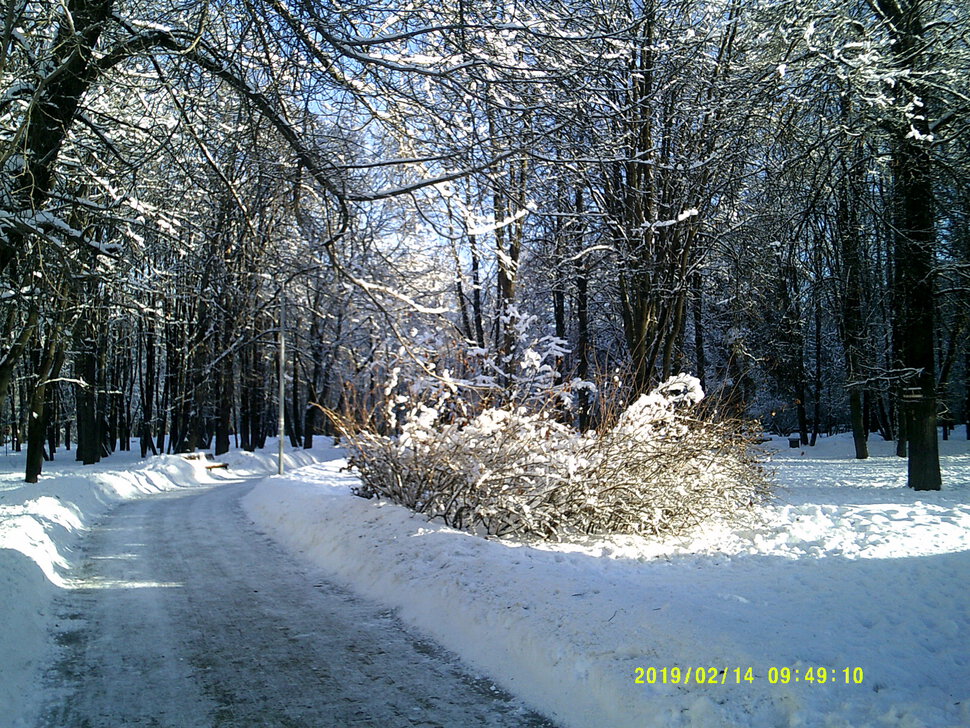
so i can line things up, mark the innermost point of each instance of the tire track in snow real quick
(184, 615)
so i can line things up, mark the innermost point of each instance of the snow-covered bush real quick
(515, 470)
(439, 369)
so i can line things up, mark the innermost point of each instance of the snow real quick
(847, 569)
(40, 528)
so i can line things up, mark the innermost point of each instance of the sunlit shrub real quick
(660, 468)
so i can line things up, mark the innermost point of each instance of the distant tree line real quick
(773, 197)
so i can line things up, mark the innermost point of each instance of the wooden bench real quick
(206, 456)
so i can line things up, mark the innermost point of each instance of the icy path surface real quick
(185, 615)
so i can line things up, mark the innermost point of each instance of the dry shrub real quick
(659, 469)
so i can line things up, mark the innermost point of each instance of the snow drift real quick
(40, 528)
(849, 569)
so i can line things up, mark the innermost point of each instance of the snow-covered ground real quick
(849, 571)
(40, 526)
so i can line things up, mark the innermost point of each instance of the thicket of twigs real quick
(659, 468)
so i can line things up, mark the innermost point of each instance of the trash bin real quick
(794, 441)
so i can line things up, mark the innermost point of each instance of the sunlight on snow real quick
(120, 584)
(25, 528)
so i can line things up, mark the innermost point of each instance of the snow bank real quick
(849, 569)
(40, 526)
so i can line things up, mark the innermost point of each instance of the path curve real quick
(185, 615)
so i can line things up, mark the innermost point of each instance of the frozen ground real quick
(41, 529)
(848, 570)
(182, 603)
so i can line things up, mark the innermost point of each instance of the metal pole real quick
(282, 429)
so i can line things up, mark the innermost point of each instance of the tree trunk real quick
(858, 423)
(295, 422)
(88, 446)
(914, 247)
(224, 402)
(147, 382)
(35, 434)
(700, 360)
(477, 314)
(52, 405)
(817, 379)
(583, 343)
(49, 362)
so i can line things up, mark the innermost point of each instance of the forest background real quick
(772, 195)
